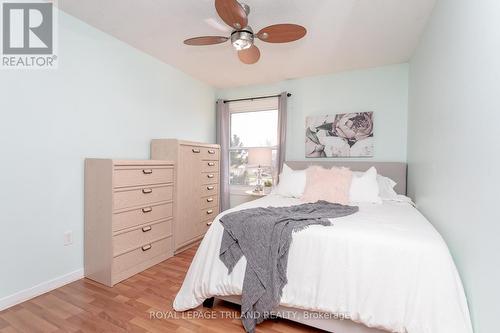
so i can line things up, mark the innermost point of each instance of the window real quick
(254, 124)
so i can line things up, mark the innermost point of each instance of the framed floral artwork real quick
(340, 135)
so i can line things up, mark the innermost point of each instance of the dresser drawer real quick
(142, 175)
(204, 225)
(205, 153)
(210, 166)
(209, 213)
(209, 189)
(209, 178)
(210, 201)
(210, 154)
(141, 196)
(142, 215)
(144, 235)
(141, 254)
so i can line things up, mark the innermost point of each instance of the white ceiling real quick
(342, 34)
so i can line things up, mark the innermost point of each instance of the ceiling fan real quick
(235, 14)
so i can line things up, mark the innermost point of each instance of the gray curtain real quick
(223, 140)
(282, 111)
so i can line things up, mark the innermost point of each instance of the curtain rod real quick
(253, 98)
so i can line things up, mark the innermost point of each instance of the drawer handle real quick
(210, 211)
(209, 223)
(211, 163)
(210, 151)
(147, 190)
(210, 188)
(146, 247)
(147, 210)
(146, 229)
(196, 151)
(147, 171)
(210, 199)
(210, 175)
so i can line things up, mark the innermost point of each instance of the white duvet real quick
(385, 266)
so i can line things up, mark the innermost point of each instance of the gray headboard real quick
(394, 170)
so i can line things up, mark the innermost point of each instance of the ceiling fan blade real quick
(249, 56)
(281, 33)
(232, 13)
(205, 40)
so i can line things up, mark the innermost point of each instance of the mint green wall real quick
(106, 100)
(453, 143)
(383, 90)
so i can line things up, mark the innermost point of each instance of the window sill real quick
(242, 189)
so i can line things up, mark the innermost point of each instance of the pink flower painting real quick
(340, 135)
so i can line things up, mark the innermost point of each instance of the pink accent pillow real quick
(327, 184)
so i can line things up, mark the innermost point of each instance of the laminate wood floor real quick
(142, 303)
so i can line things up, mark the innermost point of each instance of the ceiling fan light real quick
(242, 40)
(241, 44)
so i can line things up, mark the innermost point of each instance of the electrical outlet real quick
(68, 238)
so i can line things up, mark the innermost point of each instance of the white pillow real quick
(291, 183)
(364, 187)
(385, 186)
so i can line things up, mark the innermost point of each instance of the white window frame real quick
(247, 106)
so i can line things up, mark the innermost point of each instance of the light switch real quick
(68, 238)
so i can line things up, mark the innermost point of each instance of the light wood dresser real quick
(128, 217)
(197, 194)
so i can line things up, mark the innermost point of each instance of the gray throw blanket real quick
(263, 236)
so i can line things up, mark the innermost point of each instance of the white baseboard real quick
(42, 288)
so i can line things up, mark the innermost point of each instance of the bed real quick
(383, 269)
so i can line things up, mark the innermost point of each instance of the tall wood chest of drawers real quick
(128, 217)
(197, 193)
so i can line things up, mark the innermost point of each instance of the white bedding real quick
(385, 266)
